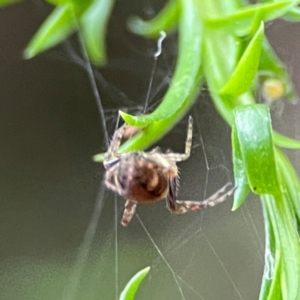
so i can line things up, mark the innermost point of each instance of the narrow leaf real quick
(8, 2)
(164, 21)
(57, 27)
(240, 177)
(99, 158)
(253, 125)
(243, 17)
(58, 2)
(290, 181)
(271, 288)
(133, 285)
(245, 71)
(284, 226)
(285, 142)
(293, 15)
(94, 22)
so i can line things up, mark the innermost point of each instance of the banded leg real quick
(129, 211)
(111, 181)
(188, 145)
(181, 207)
(114, 145)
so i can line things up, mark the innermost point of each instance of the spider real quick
(147, 177)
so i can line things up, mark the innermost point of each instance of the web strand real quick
(162, 256)
(116, 248)
(155, 56)
(71, 290)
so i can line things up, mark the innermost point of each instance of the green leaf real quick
(253, 126)
(146, 137)
(65, 19)
(270, 62)
(133, 285)
(249, 27)
(290, 181)
(164, 21)
(57, 27)
(185, 83)
(293, 15)
(271, 275)
(243, 17)
(271, 287)
(245, 71)
(58, 2)
(282, 220)
(218, 45)
(99, 158)
(151, 133)
(8, 2)
(285, 142)
(94, 22)
(240, 177)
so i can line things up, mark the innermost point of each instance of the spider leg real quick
(171, 198)
(129, 211)
(119, 188)
(109, 184)
(181, 207)
(155, 150)
(115, 144)
(188, 145)
(220, 195)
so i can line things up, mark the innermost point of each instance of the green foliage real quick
(133, 285)
(293, 15)
(165, 20)
(58, 26)
(222, 43)
(263, 168)
(8, 2)
(254, 136)
(243, 76)
(245, 15)
(91, 16)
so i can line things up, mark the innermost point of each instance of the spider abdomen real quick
(143, 180)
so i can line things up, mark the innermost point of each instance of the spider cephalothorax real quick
(147, 177)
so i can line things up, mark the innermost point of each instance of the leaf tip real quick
(129, 119)
(99, 158)
(123, 114)
(234, 207)
(136, 25)
(134, 283)
(146, 270)
(28, 54)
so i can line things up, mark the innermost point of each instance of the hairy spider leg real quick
(220, 195)
(129, 211)
(181, 207)
(109, 175)
(188, 145)
(112, 151)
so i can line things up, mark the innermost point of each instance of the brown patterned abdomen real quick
(142, 180)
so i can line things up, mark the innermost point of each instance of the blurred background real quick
(60, 236)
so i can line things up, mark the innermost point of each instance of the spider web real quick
(66, 241)
(179, 249)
